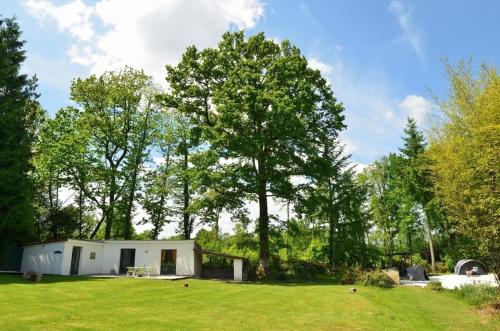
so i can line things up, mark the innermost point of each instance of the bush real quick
(296, 270)
(418, 260)
(441, 267)
(350, 275)
(377, 278)
(480, 295)
(450, 262)
(434, 286)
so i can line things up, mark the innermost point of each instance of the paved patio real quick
(161, 277)
(454, 281)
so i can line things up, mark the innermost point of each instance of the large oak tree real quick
(262, 109)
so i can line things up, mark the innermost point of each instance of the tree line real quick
(246, 121)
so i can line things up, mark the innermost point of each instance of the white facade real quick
(47, 259)
(103, 256)
(238, 269)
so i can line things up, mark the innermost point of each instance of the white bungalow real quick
(88, 257)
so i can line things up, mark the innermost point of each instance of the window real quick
(92, 255)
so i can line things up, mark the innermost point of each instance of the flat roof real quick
(229, 256)
(101, 241)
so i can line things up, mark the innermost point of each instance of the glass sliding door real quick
(168, 260)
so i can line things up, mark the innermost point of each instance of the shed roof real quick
(229, 256)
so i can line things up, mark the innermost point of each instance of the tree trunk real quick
(331, 261)
(130, 203)
(391, 247)
(186, 215)
(80, 214)
(263, 232)
(331, 226)
(110, 215)
(263, 220)
(288, 229)
(98, 226)
(431, 247)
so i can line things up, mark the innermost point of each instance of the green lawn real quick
(61, 303)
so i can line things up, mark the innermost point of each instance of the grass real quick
(62, 303)
(479, 295)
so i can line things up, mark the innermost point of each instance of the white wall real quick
(41, 258)
(87, 266)
(238, 269)
(148, 253)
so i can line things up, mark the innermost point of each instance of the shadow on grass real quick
(46, 279)
(292, 282)
(303, 282)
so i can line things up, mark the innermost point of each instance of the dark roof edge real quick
(229, 256)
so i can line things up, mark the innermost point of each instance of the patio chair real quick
(472, 272)
(130, 272)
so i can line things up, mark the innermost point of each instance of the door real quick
(127, 259)
(168, 260)
(75, 260)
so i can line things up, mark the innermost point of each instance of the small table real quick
(136, 271)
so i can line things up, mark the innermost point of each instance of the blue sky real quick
(383, 58)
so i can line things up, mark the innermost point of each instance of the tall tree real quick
(240, 95)
(465, 149)
(19, 111)
(417, 179)
(388, 199)
(141, 144)
(191, 83)
(323, 195)
(159, 183)
(114, 117)
(268, 109)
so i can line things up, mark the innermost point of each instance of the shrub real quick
(418, 260)
(479, 295)
(296, 270)
(441, 267)
(261, 273)
(449, 262)
(350, 275)
(377, 278)
(434, 286)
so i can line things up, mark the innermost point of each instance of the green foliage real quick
(378, 279)
(19, 116)
(465, 149)
(417, 259)
(297, 270)
(117, 115)
(434, 286)
(402, 203)
(479, 294)
(255, 85)
(350, 275)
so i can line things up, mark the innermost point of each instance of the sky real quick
(383, 58)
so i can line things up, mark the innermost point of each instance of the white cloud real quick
(349, 146)
(359, 167)
(73, 17)
(144, 34)
(373, 118)
(416, 107)
(315, 63)
(405, 21)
